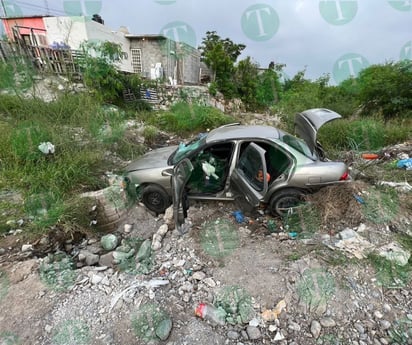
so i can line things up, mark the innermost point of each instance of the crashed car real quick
(257, 165)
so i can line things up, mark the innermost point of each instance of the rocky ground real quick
(337, 272)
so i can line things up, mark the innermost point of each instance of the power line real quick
(45, 9)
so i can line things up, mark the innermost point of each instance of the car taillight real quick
(344, 177)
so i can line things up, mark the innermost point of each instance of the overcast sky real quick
(336, 37)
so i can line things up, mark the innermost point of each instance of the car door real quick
(308, 122)
(250, 176)
(181, 174)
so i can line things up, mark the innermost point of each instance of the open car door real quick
(308, 122)
(180, 176)
(250, 177)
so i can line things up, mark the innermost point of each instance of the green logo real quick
(151, 323)
(401, 5)
(179, 32)
(71, 332)
(7, 338)
(219, 238)
(315, 288)
(85, 8)
(406, 51)
(4, 284)
(260, 22)
(165, 2)
(338, 12)
(348, 65)
(11, 9)
(57, 272)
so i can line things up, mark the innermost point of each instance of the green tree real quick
(386, 88)
(99, 70)
(220, 56)
(270, 88)
(246, 79)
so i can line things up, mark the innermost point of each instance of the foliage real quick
(247, 82)
(386, 88)
(99, 70)
(185, 118)
(16, 74)
(270, 89)
(389, 273)
(220, 56)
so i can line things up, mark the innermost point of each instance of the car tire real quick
(282, 201)
(155, 198)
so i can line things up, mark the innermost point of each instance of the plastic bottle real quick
(209, 312)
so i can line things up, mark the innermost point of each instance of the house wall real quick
(36, 23)
(73, 31)
(179, 62)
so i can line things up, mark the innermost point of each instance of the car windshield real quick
(185, 150)
(299, 145)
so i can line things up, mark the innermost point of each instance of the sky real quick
(323, 37)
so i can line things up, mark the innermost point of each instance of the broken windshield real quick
(299, 145)
(185, 150)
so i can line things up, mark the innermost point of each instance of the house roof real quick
(25, 17)
(146, 36)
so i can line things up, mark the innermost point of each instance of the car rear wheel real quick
(155, 198)
(285, 200)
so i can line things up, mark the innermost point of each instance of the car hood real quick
(153, 159)
(308, 122)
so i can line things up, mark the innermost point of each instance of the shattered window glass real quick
(298, 145)
(184, 150)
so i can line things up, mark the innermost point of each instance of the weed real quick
(304, 220)
(381, 205)
(149, 134)
(389, 273)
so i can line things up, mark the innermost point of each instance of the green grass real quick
(388, 273)
(186, 118)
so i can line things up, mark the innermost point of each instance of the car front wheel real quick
(155, 198)
(285, 200)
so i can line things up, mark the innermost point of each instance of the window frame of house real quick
(136, 60)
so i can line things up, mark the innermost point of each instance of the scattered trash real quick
(400, 186)
(352, 243)
(393, 252)
(240, 218)
(272, 314)
(405, 163)
(370, 156)
(209, 312)
(293, 234)
(359, 199)
(46, 148)
(148, 284)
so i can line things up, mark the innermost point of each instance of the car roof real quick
(238, 131)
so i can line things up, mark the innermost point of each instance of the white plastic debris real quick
(46, 148)
(400, 186)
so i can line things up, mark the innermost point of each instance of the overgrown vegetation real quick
(85, 129)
